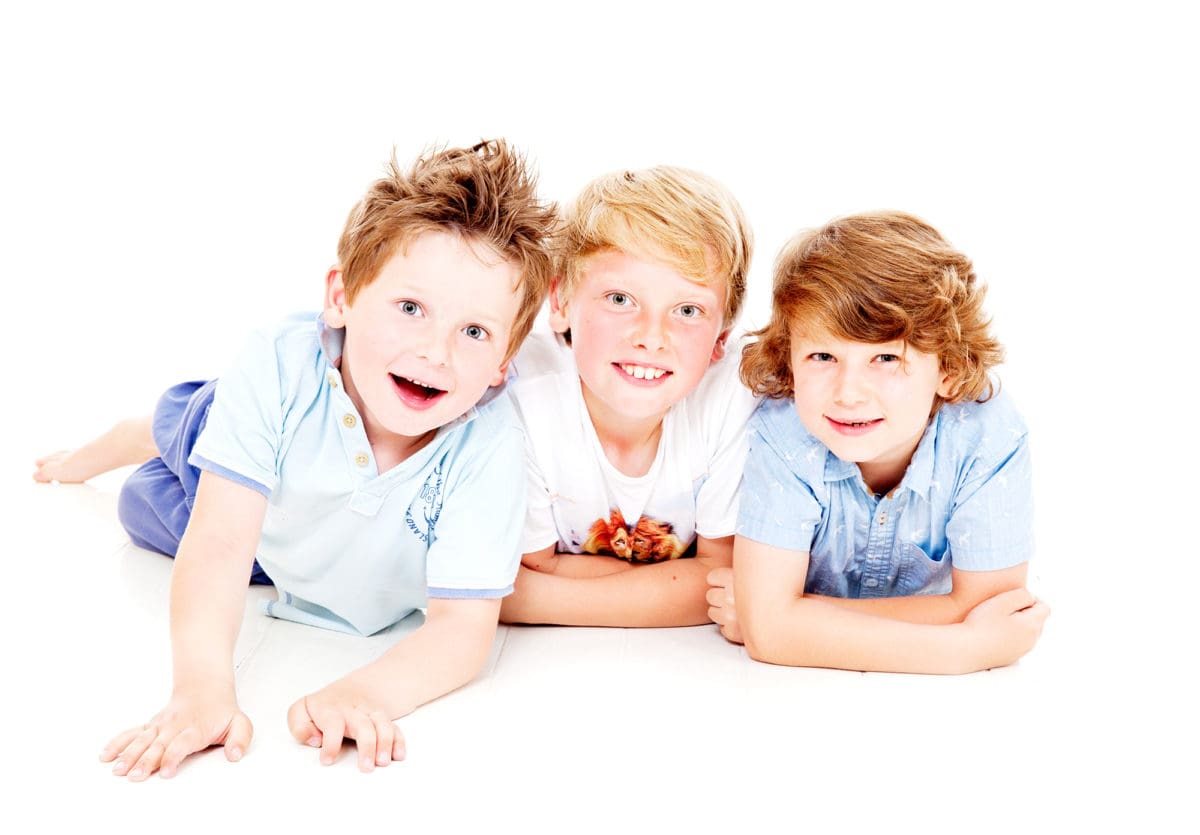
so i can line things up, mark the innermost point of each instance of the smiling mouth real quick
(853, 427)
(415, 392)
(642, 372)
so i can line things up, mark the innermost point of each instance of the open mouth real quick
(642, 372)
(414, 392)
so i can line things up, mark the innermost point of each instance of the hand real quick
(189, 723)
(1006, 626)
(345, 710)
(720, 603)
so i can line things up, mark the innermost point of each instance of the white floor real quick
(175, 180)
(580, 729)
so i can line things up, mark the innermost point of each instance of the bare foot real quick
(129, 442)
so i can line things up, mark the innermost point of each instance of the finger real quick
(109, 752)
(722, 576)
(237, 737)
(1015, 600)
(717, 615)
(363, 730)
(385, 737)
(183, 745)
(134, 750)
(333, 731)
(148, 762)
(303, 729)
(399, 748)
(715, 596)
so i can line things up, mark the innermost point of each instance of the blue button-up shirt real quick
(964, 501)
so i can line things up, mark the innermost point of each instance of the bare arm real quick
(669, 593)
(780, 625)
(208, 593)
(970, 588)
(443, 654)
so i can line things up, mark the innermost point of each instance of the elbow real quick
(761, 641)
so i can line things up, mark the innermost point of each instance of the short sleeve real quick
(476, 551)
(777, 507)
(727, 411)
(243, 434)
(991, 524)
(540, 527)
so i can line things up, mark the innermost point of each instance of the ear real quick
(948, 386)
(335, 298)
(718, 350)
(500, 375)
(558, 307)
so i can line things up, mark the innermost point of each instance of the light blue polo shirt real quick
(964, 501)
(349, 548)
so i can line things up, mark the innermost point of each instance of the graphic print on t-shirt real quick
(650, 540)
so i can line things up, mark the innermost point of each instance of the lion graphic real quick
(650, 540)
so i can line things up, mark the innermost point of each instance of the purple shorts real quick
(156, 501)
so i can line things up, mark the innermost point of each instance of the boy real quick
(635, 444)
(357, 455)
(886, 517)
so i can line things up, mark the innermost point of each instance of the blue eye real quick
(410, 308)
(619, 299)
(690, 311)
(821, 356)
(888, 358)
(476, 332)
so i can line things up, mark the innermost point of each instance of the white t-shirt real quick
(581, 502)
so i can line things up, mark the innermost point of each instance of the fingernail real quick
(314, 741)
(383, 759)
(136, 774)
(235, 754)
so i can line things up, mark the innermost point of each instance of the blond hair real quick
(685, 219)
(875, 278)
(485, 194)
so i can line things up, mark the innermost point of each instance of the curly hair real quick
(485, 193)
(874, 278)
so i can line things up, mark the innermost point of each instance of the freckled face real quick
(643, 335)
(427, 337)
(868, 403)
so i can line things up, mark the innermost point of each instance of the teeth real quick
(641, 372)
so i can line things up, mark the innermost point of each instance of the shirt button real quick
(349, 420)
(361, 460)
(333, 381)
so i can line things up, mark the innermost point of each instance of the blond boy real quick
(634, 414)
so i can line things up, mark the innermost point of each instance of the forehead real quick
(647, 271)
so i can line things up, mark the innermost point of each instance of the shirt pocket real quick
(920, 573)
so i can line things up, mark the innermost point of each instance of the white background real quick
(174, 176)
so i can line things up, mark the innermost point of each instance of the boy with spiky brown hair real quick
(355, 459)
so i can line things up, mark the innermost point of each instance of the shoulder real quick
(543, 397)
(542, 352)
(720, 399)
(776, 426)
(991, 429)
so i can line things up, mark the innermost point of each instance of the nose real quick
(649, 331)
(849, 388)
(437, 347)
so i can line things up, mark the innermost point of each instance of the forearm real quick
(207, 601)
(969, 589)
(816, 632)
(922, 608)
(670, 593)
(442, 655)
